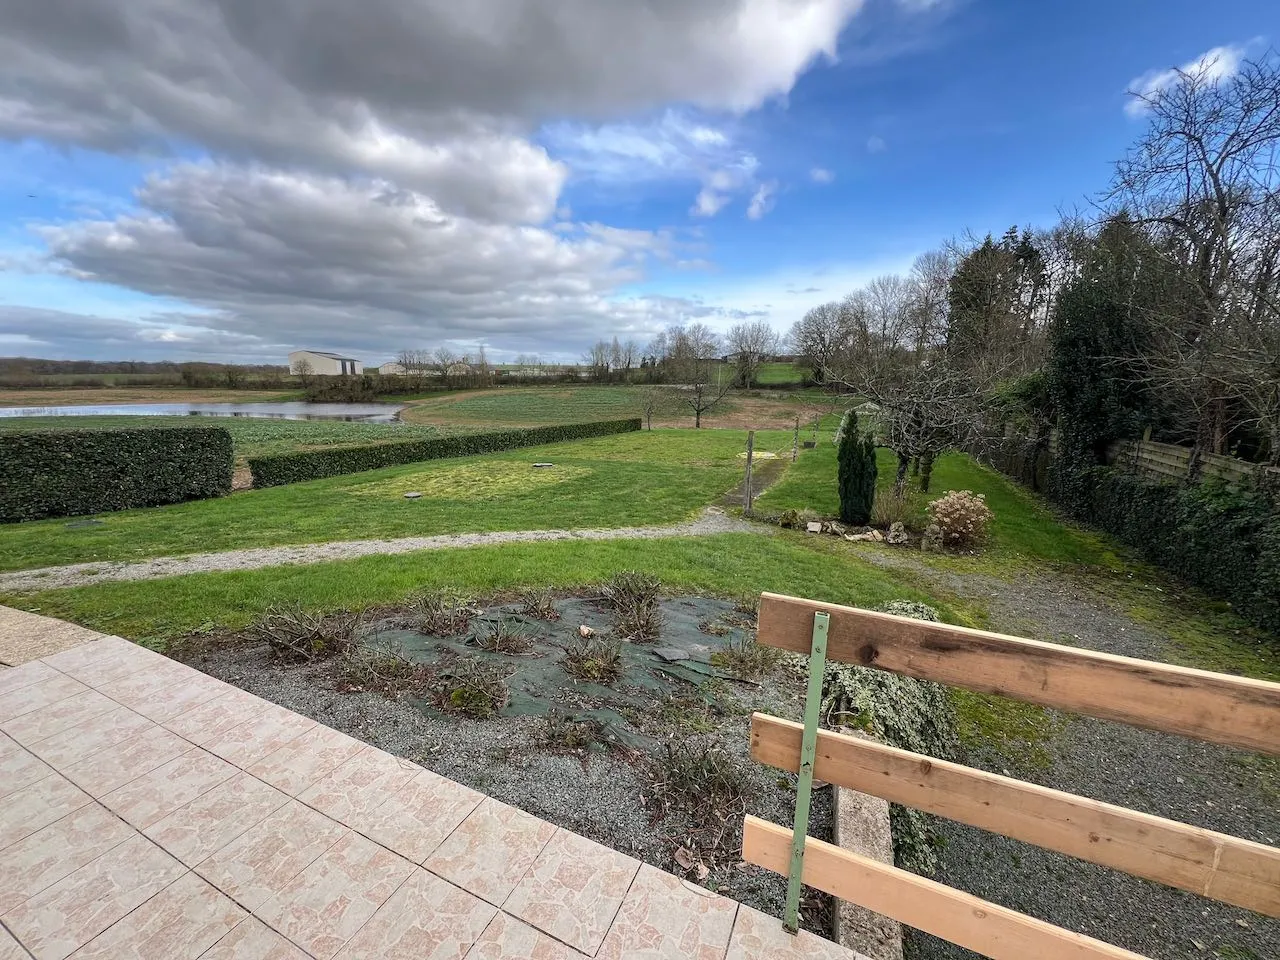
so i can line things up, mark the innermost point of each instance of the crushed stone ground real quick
(711, 521)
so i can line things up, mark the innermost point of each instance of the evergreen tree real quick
(856, 453)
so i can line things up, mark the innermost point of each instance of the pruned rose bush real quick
(963, 516)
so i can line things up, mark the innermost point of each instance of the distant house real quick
(392, 369)
(323, 364)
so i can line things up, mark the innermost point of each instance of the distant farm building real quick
(323, 364)
(392, 369)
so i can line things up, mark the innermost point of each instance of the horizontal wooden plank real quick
(961, 918)
(1211, 864)
(1236, 711)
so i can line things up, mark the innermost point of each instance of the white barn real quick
(323, 364)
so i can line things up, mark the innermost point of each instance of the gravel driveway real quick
(1198, 783)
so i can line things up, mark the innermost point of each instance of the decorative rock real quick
(813, 526)
(877, 536)
(932, 541)
(413, 495)
(670, 654)
(836, 527)
(897, 534)
(584, 631)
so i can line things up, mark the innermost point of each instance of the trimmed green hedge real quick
(314, 464)
(65, 473)
(1226, 542)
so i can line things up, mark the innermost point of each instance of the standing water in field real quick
(299, 410)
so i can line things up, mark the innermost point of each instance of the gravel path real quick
(712, 521)
(1197, 783)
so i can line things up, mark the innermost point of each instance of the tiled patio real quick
(150, 811)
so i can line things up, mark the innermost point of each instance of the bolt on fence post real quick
(808, 752)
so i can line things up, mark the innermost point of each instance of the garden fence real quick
(1233, 711)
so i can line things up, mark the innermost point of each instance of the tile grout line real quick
(21, 946)
(622, 903)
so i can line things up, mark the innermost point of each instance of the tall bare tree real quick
(753, 343)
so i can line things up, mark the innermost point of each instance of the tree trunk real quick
(926, 470)
(900, 482)
(915, 467)
(697, 417)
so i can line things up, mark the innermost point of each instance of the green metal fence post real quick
(808, 750)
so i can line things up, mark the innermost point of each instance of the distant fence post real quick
(746, 494)
(795, 441)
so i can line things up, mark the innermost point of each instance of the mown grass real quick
(723, 565)
(250, 436)
(649, 477)
(775, 372)
(532, 406)
(1024, 526)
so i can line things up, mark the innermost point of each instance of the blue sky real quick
(260, 198)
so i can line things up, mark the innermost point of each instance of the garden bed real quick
(625, 722)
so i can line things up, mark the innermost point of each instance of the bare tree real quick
(303, 370)
(1205, 180)
(818, 336)
(654, 399)
(443, 361)
(753, 343)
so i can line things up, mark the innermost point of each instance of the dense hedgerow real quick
(62, 473)
(313, 464)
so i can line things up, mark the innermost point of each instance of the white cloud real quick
(1218, 63)
(821, 175)
(762, 200)
(876, 144)
(708, 203)
(673, 145)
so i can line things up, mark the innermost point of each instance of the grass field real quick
(779, 373)
(649, 477)
(728, 565)
(1023, 526)
(250, 436)
(532, 406)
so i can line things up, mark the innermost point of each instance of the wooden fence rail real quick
(1234, 711)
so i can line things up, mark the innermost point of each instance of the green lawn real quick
(250, 436)
(648, 477)
(779, 373)
(1024, 526)
(727, 565)
(530, 406)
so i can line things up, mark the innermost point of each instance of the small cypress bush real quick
(856, 454)
(63, 473)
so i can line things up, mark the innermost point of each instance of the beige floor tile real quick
(91, 736)
(61, 848)
(573, 890)
(19, 769)
(265, 858)
(418, 818)
(426, 919)
(757, 935)
(35, 807)
(491, 850)
(214, 819)
(302, 761)
(666, 918)
(358, 787)
(169, 787)
(323, 907)
(80, 906)
(249, 742)
(44, 723)
(165, 692)
(215, 717)
(15, 678)
(180, 922)
(510, 939)
(38, 695)
(125, 762)
(106, 660)
(253, 940)
(10, 948)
